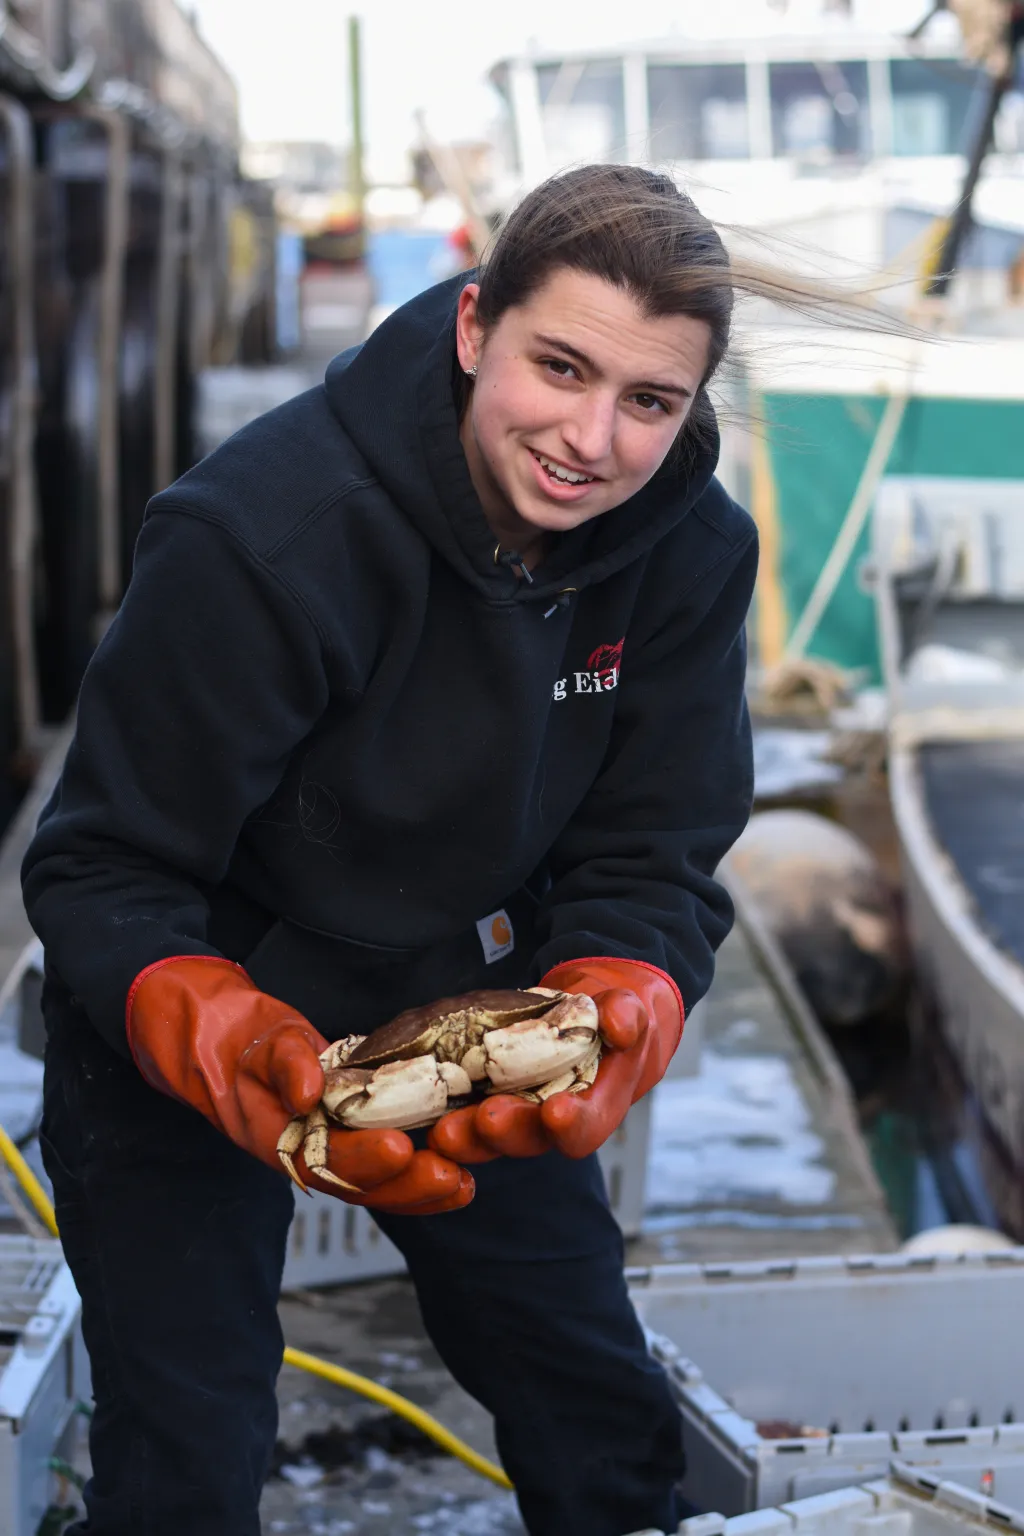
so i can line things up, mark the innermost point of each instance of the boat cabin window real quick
(820, 109)
(698, 111)
(583, 110)
(932, 102)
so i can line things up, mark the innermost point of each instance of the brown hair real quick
(636, 229)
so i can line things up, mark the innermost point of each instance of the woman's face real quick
(577, 400)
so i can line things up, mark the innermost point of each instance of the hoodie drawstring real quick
(563, 600)
(514, 561)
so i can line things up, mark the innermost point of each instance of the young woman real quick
(431, 679)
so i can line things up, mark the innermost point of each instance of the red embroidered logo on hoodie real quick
(607, 659)
(601, 676)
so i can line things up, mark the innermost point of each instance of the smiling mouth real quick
(560, 473)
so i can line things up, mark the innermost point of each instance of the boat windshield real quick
(656, 107)
(931, 106)
(698, 111)
(820, 109)
(583, 110)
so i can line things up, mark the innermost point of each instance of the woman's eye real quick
(650, 403)
(559, 367)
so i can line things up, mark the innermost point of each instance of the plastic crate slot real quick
(299, 1234)
(835, 1428)
(904, 1425)
(949, 1438)
(974, 1420)
(349, 1239)
(940, 1423)
(869, 1426)
(615, 1188)
(1009, 1417)
(373, 1233)
(323, 1235)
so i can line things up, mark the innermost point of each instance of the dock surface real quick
(759, 1155)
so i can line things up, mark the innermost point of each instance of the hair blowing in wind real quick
(634, 228)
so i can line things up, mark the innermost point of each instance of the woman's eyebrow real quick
(577, 356)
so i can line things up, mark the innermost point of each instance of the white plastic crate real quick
(917, 1358)
(43, 1374)
(331, 1243)
(906, 1503)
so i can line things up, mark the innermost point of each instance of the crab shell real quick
(429, 1060)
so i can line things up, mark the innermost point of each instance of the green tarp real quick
(817, 447)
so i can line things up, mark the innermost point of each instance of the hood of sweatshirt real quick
(394, 395)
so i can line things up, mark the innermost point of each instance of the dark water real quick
(930, 1151)
(927, 1143)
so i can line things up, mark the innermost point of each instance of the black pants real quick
(176, 1241)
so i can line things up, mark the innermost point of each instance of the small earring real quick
(471, 372)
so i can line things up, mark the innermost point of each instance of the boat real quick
(808, 121)
(948, 556)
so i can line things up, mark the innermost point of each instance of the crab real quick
(429, 1060)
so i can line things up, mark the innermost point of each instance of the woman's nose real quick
(589, 431)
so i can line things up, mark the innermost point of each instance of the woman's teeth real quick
(558, 473)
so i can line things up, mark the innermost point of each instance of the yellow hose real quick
(34, 1191)
(400, 1405)
(37, 1197)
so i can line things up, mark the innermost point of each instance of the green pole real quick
(357, 176)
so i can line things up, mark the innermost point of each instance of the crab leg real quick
(312, 1135)
(290, 1142)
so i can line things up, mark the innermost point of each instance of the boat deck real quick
(974, 792)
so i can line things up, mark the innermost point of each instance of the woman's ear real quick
(469, 333)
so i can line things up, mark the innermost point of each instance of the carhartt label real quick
(496, 936)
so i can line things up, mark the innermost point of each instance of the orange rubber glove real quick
(640, 1016)
(203, 1033)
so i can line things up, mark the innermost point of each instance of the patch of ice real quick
(302, 1474)
(787, 760)
(396, 1362)
(483, 1517)
(738, 1130)
(949, 664)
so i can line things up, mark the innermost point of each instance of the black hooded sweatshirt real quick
(329, 737)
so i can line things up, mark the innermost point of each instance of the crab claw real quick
(538, 1050)
(400, 1095)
